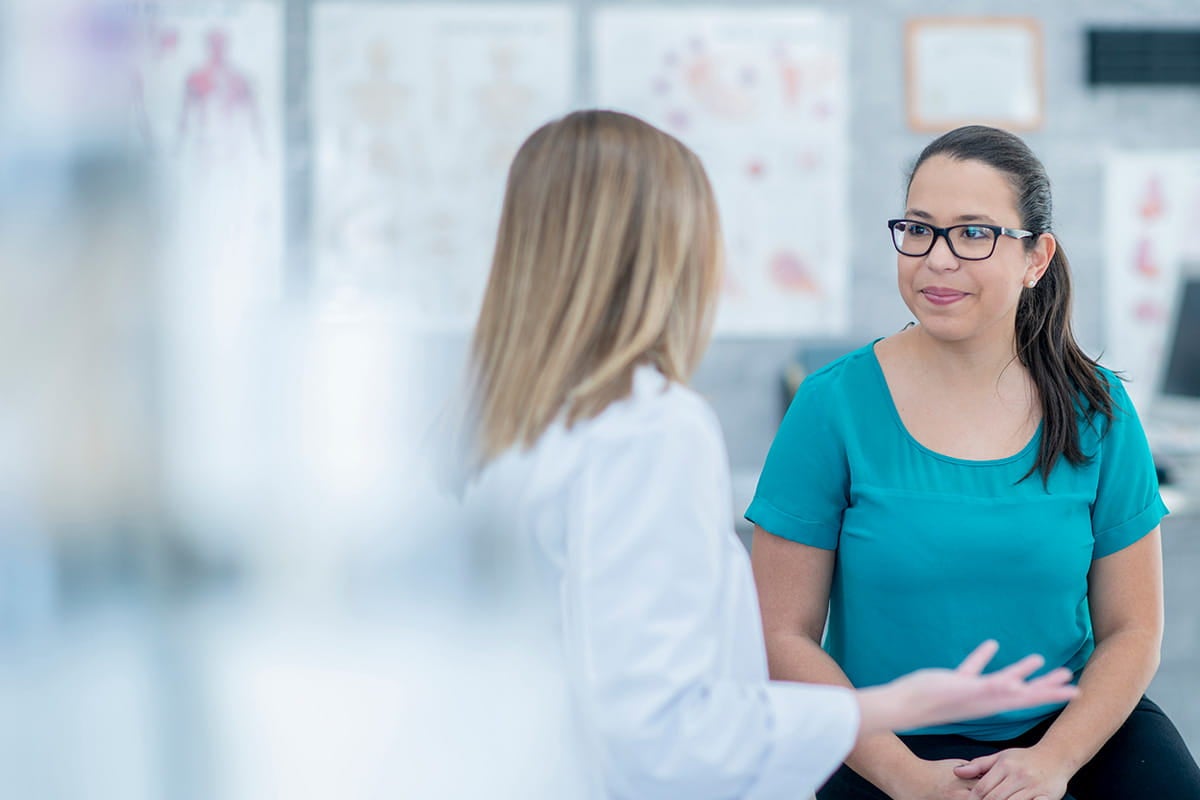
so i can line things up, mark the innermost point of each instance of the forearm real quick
(1113, 681)
(878, 755)
(796, 657)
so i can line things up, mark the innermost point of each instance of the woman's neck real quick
(978, 363)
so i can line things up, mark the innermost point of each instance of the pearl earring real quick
(1031, 284)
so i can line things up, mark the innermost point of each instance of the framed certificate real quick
(974, 70)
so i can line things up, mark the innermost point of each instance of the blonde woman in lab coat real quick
(598, 307)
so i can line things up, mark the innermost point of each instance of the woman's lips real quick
(942, 297)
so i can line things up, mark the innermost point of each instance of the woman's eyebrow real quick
(916, 213)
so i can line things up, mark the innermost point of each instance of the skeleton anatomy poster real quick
(417, 112)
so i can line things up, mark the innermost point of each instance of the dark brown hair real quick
(1068, 381)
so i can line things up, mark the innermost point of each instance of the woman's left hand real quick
(1016, 774)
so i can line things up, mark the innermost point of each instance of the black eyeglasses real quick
(973, 242)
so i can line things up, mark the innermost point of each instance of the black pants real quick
(1145, 758)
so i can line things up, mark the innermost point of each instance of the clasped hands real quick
(1020, 773)
(1014, 774)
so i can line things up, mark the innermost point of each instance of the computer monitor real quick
(1181, 377)
(1173, 424)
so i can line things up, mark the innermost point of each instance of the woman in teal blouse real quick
(976, 471)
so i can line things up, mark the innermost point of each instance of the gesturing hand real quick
(1016, 774)
(941, 695)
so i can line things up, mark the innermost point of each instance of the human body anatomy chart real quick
(761, 97)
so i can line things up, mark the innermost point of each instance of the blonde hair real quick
(608, 256)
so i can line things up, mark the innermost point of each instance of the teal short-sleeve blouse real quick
(936, 553)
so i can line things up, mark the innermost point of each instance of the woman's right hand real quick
(931, 780)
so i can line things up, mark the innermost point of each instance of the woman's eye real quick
(915, 229)
(974, 232)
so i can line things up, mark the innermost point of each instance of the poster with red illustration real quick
(1152, 211)
(761, 96)
(207, 105)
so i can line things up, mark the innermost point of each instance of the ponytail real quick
(1068, 381)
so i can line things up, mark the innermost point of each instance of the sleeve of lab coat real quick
(643, 626)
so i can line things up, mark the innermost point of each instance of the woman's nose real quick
(940, 256)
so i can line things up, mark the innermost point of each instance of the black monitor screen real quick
(1183, 361)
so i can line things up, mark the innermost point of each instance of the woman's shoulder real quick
(661, 425)
(655, 409)
(1120, 417)
(848, 375)
(656, 413)
(1114, 384)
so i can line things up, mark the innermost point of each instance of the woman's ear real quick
(1038, 259)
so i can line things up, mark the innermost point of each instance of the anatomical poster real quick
(761, 97)
(417, 112)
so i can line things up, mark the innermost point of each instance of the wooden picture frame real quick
(974, 70)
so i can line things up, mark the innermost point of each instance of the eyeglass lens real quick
(966, 241)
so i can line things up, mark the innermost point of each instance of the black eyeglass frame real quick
(997, 231)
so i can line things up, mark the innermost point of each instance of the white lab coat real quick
(631, 518)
